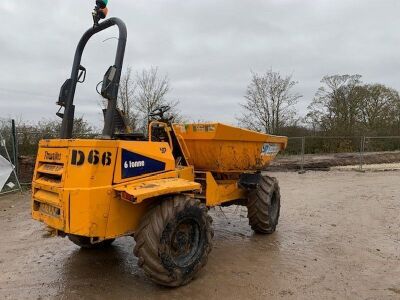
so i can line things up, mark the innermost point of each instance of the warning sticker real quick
(5, 171)
(270, 149)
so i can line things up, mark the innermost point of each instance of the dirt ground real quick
(326, 161)
(338, 238)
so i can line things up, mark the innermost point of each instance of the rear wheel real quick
(263, 205)
(84, 242)
(173, 240)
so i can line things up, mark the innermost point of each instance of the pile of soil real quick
(325, 162)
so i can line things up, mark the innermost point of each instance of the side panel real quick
(124, 217)
(220, 191)
(90, 167)
(73, 187)
(96, 210)
(88, 184)
(89, 210)
(140, 159)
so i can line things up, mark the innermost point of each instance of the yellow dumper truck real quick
(156, 188)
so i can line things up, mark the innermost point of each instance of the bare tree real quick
(269, 102)
(126, 99)
(151, 93)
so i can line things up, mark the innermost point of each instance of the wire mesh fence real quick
(28, 141)
(323, 144)
(22, 142)
(323, 152)
(381, 143)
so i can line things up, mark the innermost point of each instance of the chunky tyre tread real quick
(149, 233)
(259, 205)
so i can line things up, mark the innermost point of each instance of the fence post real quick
(303, 146)
(363, 148)
(362, 144)
(15, 146)
(365, 144)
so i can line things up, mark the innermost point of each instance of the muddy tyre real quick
(84, 242)
(263, 205)
(173, 240)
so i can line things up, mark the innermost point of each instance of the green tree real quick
(346, 106)
(336, 105)
(379, 109)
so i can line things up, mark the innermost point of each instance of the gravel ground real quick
(371, 167)
(338, 238)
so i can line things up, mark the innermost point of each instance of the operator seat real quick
(122, 130)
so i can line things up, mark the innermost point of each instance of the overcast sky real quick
(207, 48)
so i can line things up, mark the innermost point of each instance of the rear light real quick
(127, 197)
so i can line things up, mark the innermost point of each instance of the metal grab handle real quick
(167, 130)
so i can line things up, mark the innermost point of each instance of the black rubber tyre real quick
(263, 206)
(84, 242)
(173, 240)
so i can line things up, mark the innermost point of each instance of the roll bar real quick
(69, 87)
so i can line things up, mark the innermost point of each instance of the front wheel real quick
(173, 240)
(263, 205)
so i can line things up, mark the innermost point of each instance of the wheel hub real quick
(274, 207)
(185, 242)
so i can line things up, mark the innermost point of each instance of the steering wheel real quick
(160, 111)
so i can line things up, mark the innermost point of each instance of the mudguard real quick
(138, 192)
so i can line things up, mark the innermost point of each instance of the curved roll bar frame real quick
(68, 118)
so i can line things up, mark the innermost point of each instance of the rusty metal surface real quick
(222, 148)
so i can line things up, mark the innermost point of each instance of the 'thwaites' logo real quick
(52, 155)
